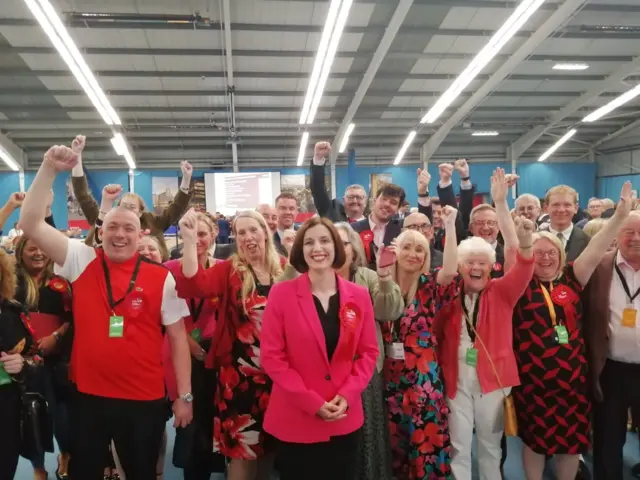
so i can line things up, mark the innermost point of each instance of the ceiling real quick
(162, 64)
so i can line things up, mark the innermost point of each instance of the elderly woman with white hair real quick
(553, 401)
(418, 413)
(475, 339)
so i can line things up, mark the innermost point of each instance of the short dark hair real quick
(296, 257)
(286, 196)
(391, 190)
(436, 201)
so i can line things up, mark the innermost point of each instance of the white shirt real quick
(79, 256)
(13, 233)
(624, 342)
(566, 234)
(465, 339)
(378, 232)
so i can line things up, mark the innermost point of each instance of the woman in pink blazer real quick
(319, 347)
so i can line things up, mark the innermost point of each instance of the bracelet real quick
(465, 179)
(525, 247)
(423, 195)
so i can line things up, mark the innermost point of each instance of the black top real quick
(49, 301)
(330, 321)
(13, 330)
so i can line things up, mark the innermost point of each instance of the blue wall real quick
(609, 187)
(535, 178)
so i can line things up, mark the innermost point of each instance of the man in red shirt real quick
(121, 303)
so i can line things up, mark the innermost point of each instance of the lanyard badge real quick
(116, 322)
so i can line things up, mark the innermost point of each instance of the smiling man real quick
(122, 303)
(562, 205)
(287, 210)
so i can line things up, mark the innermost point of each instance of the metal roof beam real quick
(618, 133)
(552, 24)
(15, 153)
(613, 80)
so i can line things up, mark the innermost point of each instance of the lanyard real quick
(132, 283)
(196, 310)
(625, 285)
(471, 323)
(550, 305)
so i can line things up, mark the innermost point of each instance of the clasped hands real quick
(334, 410)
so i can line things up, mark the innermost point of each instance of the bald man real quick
(419, 222)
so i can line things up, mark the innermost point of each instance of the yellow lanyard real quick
(549, 302)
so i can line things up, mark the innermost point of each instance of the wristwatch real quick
(186, 398)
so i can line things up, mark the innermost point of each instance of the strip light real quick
(122, 149)
(336, 20)
(405, 146)
(517, 19)
(303, 148)
(557, 145)
(59, 36)
(612, 105)
(489, 133)
(11, 163)
(345, 139)
(571, 66)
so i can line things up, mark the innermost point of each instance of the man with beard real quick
(351, 209)
(381, 227)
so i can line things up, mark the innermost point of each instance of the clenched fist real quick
(423, 181)
(60, 158)
(321, 150)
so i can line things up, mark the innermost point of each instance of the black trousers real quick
(10, 407)
(136, 428)
(620, 390)
(336, 459)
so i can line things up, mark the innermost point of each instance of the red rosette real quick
(497, 267)
(367, 239)
(349, 317)
(58, 284)
(563, 295)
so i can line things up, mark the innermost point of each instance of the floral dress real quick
(244, 389)
(418, 412)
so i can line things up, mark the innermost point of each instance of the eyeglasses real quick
(551, 254)
(425, 227)
(486, 223)
(354, 197)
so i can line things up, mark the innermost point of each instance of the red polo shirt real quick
(127, 367)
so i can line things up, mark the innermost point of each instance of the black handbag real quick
(36, 426)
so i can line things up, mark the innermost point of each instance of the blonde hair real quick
(480, 208)
(33, 285)
(141, 204)
(213, 226)
(594, 226)
(7, 276)
(556, 243)
(240, 264)
(411, 236)
(561, 190)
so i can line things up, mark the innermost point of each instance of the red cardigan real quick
(494, 326)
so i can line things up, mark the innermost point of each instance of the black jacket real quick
(393, 230)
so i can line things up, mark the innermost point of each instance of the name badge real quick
(5, 378)
(116, 326)
(395, 351)
(471, 357)
(629, 317)
(562, 335)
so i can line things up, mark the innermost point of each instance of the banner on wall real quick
(198, 200)
(75, 215)
(163, 191)
(299, 185)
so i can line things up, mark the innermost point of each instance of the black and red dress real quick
(552, 400)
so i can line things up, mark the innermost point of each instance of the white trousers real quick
(486, 412)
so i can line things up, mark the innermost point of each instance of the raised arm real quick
(447, 195)
(499, 190)
(180, 203)
(388, 303)
(14, 202)
(424, 201)
(318, 191)
(88, 205)
(449, 268)
(52, 242)
(467, 192)
(591, 256)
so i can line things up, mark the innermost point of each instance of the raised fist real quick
(445, 170)
(187, 169)
(449, 216)
(60, 158)
(189, 225)
(462, 167)
(78, 143)
(111, 192)
(321, 150)
(423, 181)
(16, 199)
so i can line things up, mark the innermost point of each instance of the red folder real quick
(44, 324)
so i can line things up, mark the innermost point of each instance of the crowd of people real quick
(372, 342)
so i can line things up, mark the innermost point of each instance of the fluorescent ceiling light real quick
(11, 163)
(570, 66)
(303, 148)
(345, 139)
(59, 36)
(613, 104)
(517, 19)
(336, 19)
(487, 133)
(129, 158)
(118, 144)
(557, 145)
(405, 146)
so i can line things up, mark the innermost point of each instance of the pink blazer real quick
(293, 353)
